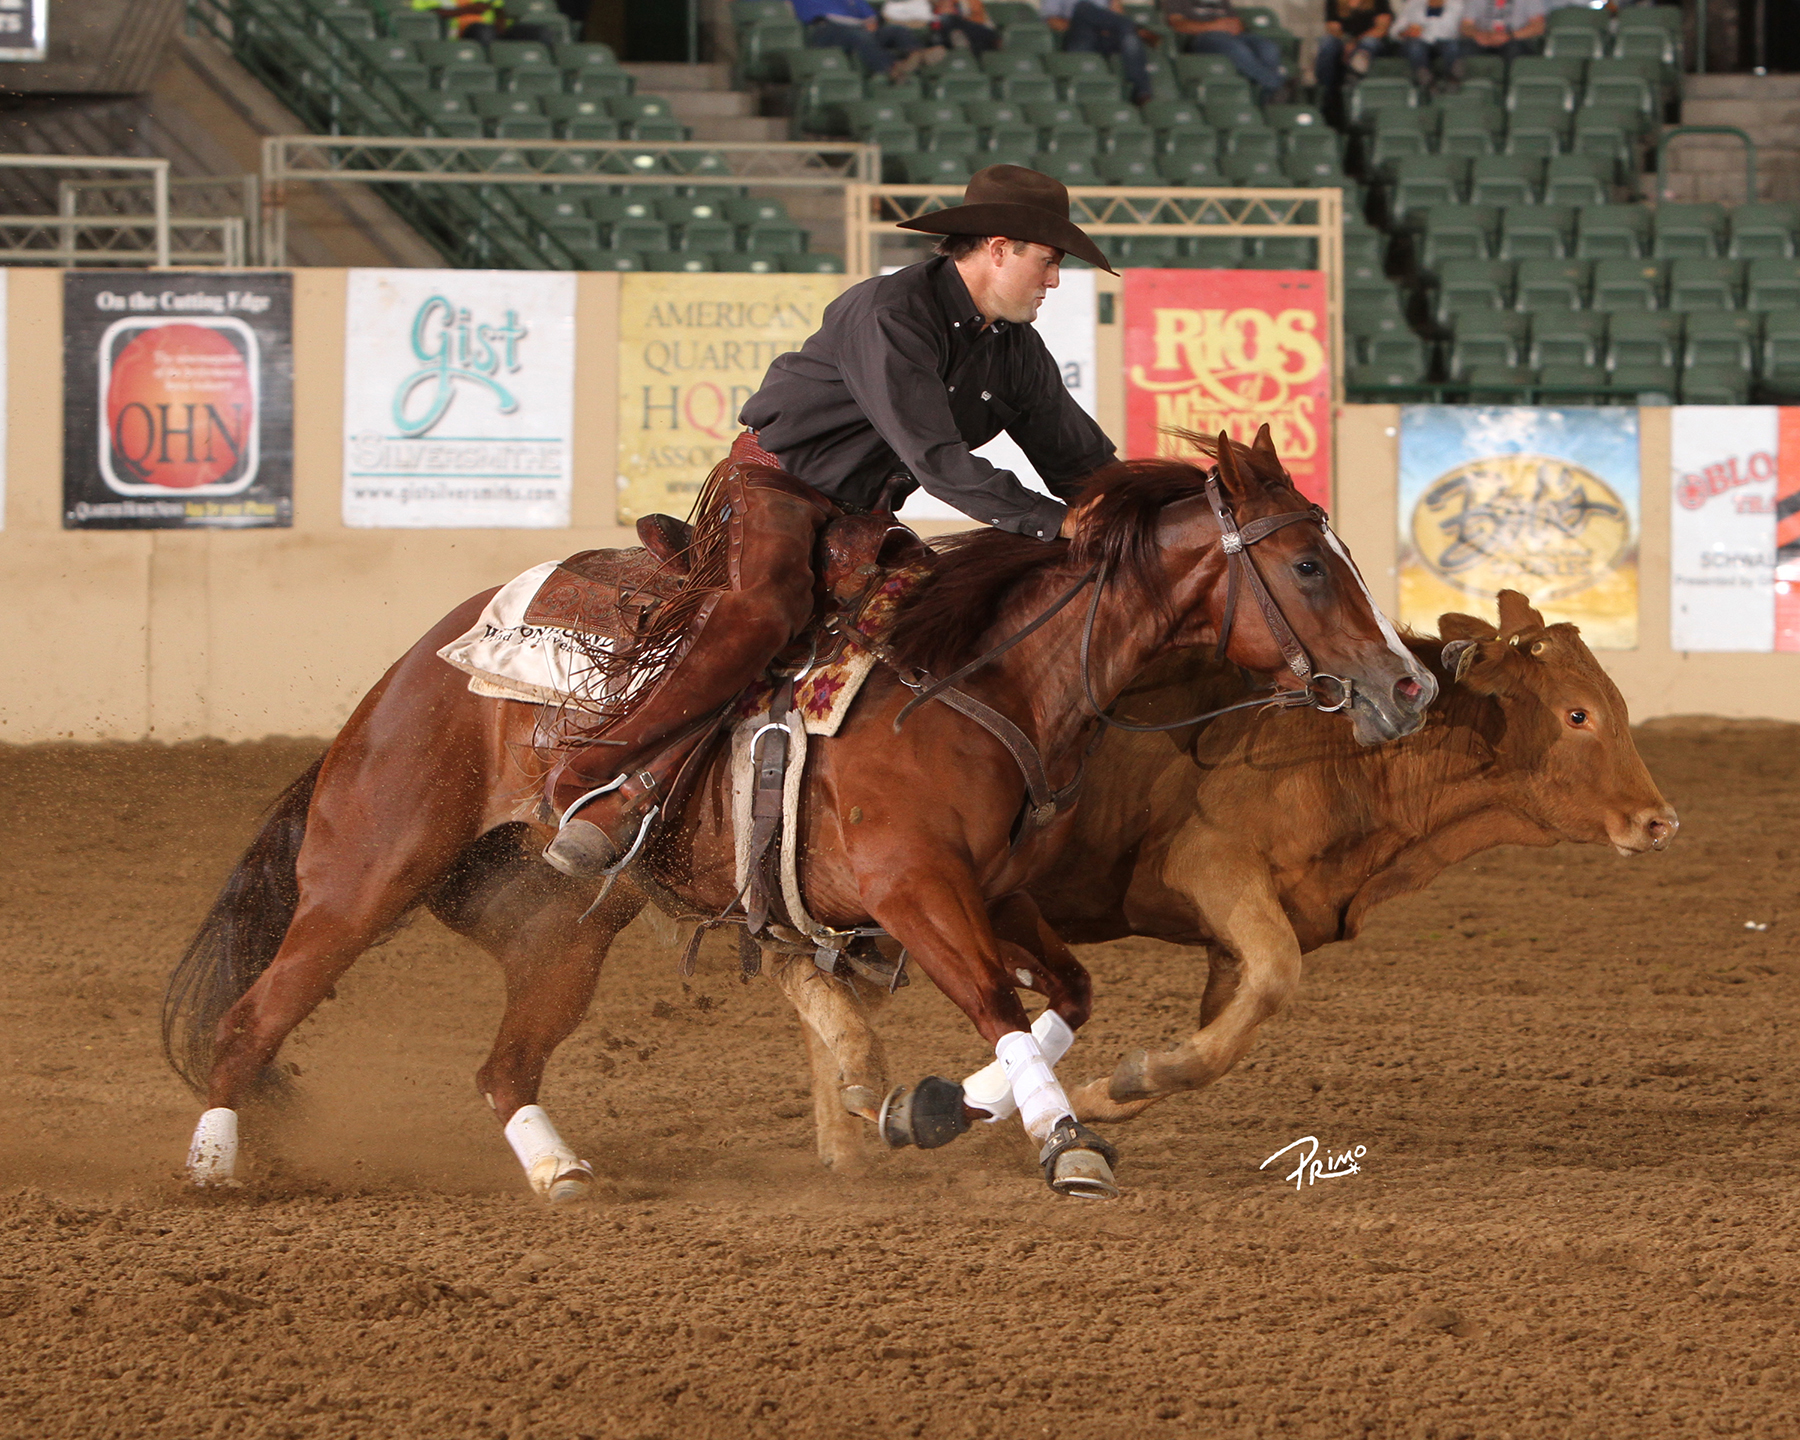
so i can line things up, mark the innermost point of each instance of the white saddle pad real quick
(506, 659)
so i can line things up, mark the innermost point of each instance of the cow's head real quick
(1566, 737)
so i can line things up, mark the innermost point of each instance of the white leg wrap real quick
(541, 1150)
(1040, 1098)
(212, 1155)
(988, 1088)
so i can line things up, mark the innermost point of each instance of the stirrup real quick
(583, 851)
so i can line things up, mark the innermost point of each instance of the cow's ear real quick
(1517, 615)
(1456, 626)
(1488, 667)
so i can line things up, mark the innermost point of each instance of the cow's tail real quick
(238, 938)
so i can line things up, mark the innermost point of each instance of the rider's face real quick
(1021, 279)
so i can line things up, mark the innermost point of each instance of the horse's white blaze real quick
(1394, 643)
(1035, 1088)
(546, 1158)
(212, 1155)
(988, 1088)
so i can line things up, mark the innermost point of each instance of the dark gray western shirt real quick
(903, 380)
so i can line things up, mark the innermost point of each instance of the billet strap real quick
(1046, 803)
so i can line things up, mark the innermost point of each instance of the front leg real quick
(1255, 971)
(942, 920)
(844, 1054)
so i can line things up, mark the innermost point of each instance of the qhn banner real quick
(1734, 528)
(178, 401)
(1540, 501)
(459, 391)
(692, 350)
(1231, 350)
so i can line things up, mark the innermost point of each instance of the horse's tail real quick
(239, 936)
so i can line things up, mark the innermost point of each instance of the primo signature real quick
(1311, 1169)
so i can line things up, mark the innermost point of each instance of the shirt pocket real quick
(999, 409)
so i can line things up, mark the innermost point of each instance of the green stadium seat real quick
(1696, 284)
(1654, 384)
(1567, 337)
(1320, 174)
(1398, 134)
(1458, 232)
(1250, 141)
(1257, 171)
(1498, 384)
(1358, 378)
(863, 116)
(1781, 351)
(1112, 114)
(959, 138)
(1169, 114)
(1643, 338)
(1470, 130)
(1762, 231)
(1545, 285)
(1088, 89)
(1505, 179)
(1536, 232)
(1577, 180)
(598, 82)
(1609, 135)
(509, 54)
(1277, 252)
(764, 52)
(1013, 137)
(1536, 130)
(1211, 252)
(1190, 167)
(1540, 82)
(1714, 385)
(1392, 348)
(1623, 285)
(498, 106)
(1567, 44)
(1232, 114)
(934, 167)
(686, 262)
(967, 89)
(747, 263)
(1464, 285)
(1612, 232)
(413, 27)
(1303, 145)
(813, 263)
(1487, 337)
(1722, 337)
(1688, 230)
(1143, 251)
(1071, 169)
(532, 80)
(1024, 89)
(1619, 84)
(1649, 40)
(641, 234)
(613, 209)
(1579, 17)
(1773, 285)
(1127, 170)
(997, 63)
(1070, 138)
(1203, 69)
(1129, 143)
(1375, 93)
(1567, 384)
(1373, 313)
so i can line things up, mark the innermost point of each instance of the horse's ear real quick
(1265, 443)
(1229, 475)
(1517, 614)
(1457, 626)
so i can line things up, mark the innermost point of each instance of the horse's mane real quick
(945, 618)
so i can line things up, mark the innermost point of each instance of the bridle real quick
(1236, 541)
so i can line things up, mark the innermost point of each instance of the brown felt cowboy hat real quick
(1018, 203)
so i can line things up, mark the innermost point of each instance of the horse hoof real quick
(571, 1187)
(1078, 1162)
(1083, 1174)
(929, 1116)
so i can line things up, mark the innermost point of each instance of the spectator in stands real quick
(1502, 27)
(1212, 27)
(1089, 28)
(1356, 32)
(483, 22)
(1431, 35)
(946, 20)
(890, 50)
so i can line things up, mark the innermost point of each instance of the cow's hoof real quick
(1131, 1079)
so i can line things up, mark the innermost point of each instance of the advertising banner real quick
(692, 350)
(178, 400)
(1734, 472)
(24, 30)
(1066, 323)
(1511, 498)
(1231, 350)
(459, 395)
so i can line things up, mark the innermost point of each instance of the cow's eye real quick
(1578, 717)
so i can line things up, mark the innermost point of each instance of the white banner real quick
(1066, 321)
(459, 392)
(1723, 469)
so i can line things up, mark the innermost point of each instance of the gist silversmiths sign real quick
(178, 407)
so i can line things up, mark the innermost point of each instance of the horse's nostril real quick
(1409, 689)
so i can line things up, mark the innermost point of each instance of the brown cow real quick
(1262, 836)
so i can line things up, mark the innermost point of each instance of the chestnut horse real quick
(430, 796)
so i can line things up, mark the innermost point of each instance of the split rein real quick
(1240, 568)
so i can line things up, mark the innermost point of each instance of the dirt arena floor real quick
(1574, 1077)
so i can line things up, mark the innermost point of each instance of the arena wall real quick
(168, 635)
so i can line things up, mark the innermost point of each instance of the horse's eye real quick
(1578, 717)
(1310, 568)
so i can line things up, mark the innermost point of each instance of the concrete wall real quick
(174, 635)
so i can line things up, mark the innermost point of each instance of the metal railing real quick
(201, 199)
(454, 191)
(1146, 212)
(25, 238)
(1676, 132)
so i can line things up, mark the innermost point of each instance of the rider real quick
(907, 375)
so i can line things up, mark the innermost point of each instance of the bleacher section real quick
(1512, 256)
(373, 68)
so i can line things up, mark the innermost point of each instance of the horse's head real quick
(1309, 589)
(1566, 737)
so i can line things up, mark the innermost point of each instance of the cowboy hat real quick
(1018, 203)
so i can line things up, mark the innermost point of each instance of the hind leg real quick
(844, 1054)
(532, 921)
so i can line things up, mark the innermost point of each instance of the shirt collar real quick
(953, 295)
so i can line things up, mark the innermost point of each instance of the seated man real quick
(1087, 27)
(1355, 33)
(1212, 27)
(967, 18)
(1430, 33)
(890, 50)
(1502, 27)
(484, 21)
